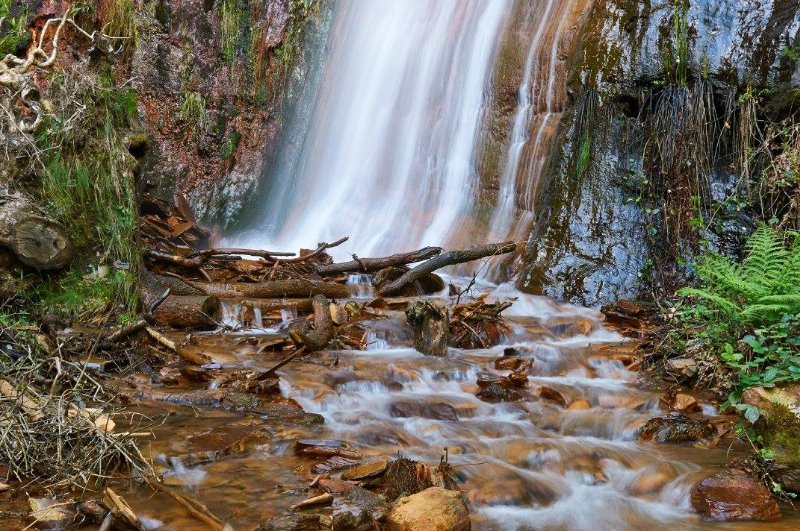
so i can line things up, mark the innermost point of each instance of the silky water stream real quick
(533, 463)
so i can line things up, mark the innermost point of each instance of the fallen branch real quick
(447, 259)
(322, 333)
(277, 289)
(266, 375)
(266, 255)
(189, 354)
(196, 508)
(322, 248)
(367, 265)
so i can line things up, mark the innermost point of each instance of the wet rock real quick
(404, 477)
(222, 441)
(495, 392)
(335, 486)
(507, 363)
(93, 509)
(431, 324)
(358, 510)
(579, 405)
(682, 367)
(427, 410)
(333, 464)
(293, 522)
(367, 470)
(434, 509)
(681, 402)
(734, 495)
(674, 428)
(548, 393)
(566, 327)
(52, 514)
(324, 448)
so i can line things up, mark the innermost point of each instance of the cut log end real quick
(41, 243)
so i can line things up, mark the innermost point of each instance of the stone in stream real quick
(220, 442)
(681, 367)
(428, 284)
(674, 428)
(493, 388)
(324, 448)
(358, 510)
(52, 514)
(434, 509)
(579, 405)
(512, 364)
(367, 470)
(548, 393)
(333, 464)
(294, 522)
(734, 495)
(435, 410)
(430, 321)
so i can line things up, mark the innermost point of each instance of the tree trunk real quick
(34, 239)
(188, 311)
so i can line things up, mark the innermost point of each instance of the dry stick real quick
(322, 247)
(263, 376)
(198, 358)
(446, 259)
(366, 265)
(191, 263)
(266, 255)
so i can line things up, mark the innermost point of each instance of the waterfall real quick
(389, 158)
(397, 121)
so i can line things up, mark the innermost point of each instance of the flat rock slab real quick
(367, 470)
(427, 410)
(325, 448)
(734, 495)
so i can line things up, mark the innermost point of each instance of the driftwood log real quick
(34, 239)
(446, 259)
(316, 338)
(188, 311)
(155, 285)
(276, 289)
(273, 305)
(368, 265)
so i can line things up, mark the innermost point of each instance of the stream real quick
(527, 464)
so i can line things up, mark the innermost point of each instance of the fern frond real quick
(765, 259)
(727, 306)
(723, 276)
(764, 312)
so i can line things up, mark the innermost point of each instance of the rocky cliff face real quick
(664, 106)
(214, 78)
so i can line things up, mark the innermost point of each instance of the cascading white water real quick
(389, 158)
(540, 97)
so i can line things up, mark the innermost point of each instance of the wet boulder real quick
(513, 363)
(434, 509)
(674, 428)
(431, 324)
(294, 522)
(493, 388)
(358, 510)
(734, 495)
(427, 410)
(367, 470)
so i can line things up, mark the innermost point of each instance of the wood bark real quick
(446, 259)
(34, 239)
(188, 311)
(155, 285)
(274, 305)
(368, 265)
(277, 289)
(317, 338)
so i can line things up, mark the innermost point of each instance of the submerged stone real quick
(674, 428)
(734, 495)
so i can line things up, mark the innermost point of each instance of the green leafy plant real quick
(763, 288)
(748, 313)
